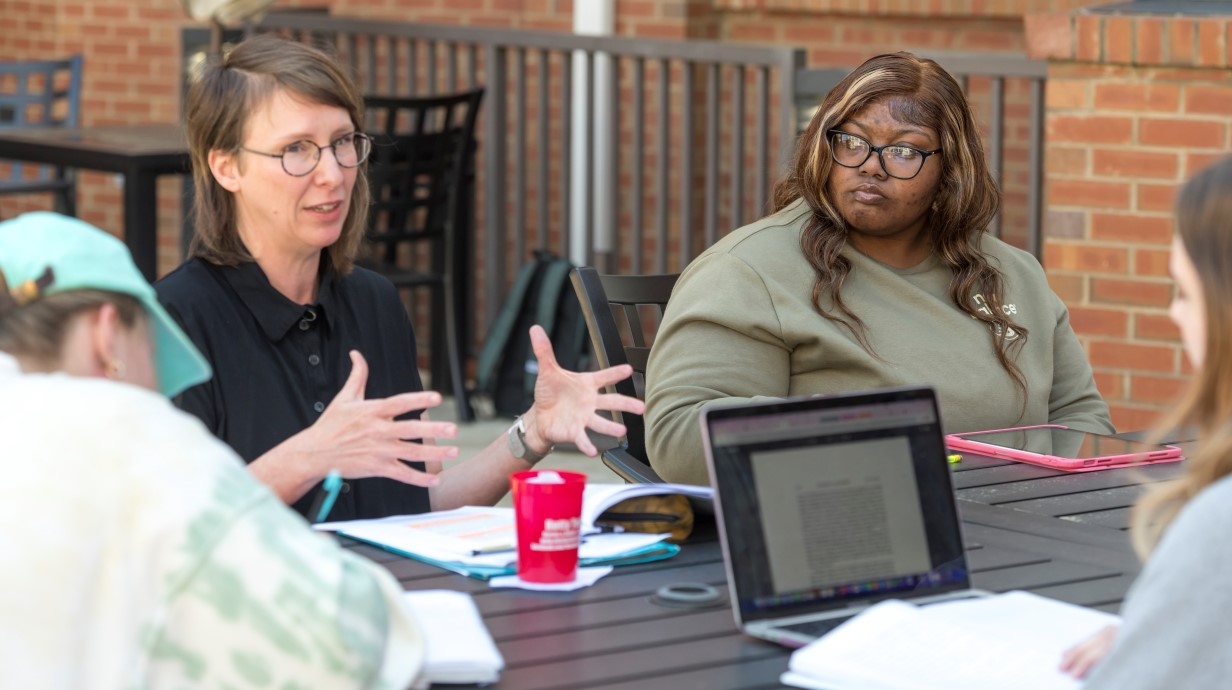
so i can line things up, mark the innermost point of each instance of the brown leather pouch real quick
(670, 513)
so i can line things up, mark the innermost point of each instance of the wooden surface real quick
(141, 153)
(1055, 534)
(160, 148)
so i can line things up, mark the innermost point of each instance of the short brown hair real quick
(224, 94)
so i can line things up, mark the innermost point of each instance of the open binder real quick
(480, 542)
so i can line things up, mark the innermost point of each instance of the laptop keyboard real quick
(818, 628)
(815, 628)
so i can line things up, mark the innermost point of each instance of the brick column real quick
(1135, 105)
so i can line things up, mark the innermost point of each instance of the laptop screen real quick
(825, 501)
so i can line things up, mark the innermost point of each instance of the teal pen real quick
(332, 485)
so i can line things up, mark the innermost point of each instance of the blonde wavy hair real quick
(917, 91)
(1204, 227)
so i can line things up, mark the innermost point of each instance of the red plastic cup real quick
(548, 509)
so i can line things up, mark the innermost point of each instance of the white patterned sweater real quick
(137, 552)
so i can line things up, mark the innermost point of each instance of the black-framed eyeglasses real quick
(301, 157)
(897, 160)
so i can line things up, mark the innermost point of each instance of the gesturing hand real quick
(362, 438)
(566, 402)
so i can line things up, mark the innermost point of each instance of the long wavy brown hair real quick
(224, 94)
(917, 91)
(1204, 226)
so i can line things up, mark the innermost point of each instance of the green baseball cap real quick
(80, 256)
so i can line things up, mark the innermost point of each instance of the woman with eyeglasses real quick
(314, 358)
(876, 269)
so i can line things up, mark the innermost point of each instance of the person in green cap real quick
(137, 550)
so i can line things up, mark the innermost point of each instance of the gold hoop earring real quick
(115, 370)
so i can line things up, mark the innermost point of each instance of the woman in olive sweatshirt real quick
(876, 269)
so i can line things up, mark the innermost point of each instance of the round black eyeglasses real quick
(301, 157)
(898, 161)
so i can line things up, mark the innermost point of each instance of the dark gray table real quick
(1102, 498)
(138, 152)
(611, 636)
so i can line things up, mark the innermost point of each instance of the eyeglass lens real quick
(851, 151)
(301, 157)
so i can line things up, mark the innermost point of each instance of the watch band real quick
(518, 446)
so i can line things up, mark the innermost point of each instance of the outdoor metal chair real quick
(420, 173)
(41, 94)
(603, 299)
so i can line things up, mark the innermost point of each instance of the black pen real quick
(602, 527)
(493, 549)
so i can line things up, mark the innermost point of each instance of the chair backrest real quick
(45, 93)
(423, 151)
(622, 315)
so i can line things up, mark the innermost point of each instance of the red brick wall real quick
(918, 8)
(132, 53)
(1136, 105)
(132, 71)
(131, 75)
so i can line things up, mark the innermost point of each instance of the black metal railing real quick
(697, 132)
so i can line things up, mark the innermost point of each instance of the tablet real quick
(1062, 448)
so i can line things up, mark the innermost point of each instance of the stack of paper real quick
(457, 646)
(1012, 641)
(482, 542)
(600, 497)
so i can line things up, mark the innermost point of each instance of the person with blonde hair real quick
(1175, 628)
(137, 552)
(315, 366)
(876, 269)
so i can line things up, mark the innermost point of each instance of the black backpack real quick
(541, 294)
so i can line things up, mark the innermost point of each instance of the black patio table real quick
(612, 636)
(140, 153)
(1102, 498)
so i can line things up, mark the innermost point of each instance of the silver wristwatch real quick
(517, 443)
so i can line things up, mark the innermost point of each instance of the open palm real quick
(567, 402)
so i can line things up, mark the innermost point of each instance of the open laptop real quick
(827, 505)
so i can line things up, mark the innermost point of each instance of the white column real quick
(597, 18)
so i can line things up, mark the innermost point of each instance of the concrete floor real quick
(474, 436)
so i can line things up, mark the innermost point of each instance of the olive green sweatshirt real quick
(740, 325)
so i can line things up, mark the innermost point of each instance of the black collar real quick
(273, 311)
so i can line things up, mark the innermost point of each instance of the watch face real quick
(516, 444)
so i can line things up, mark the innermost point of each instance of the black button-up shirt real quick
(278, 364)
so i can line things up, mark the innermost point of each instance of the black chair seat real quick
(603, 299)
(402, 278)
(35, 186)
(420, 173)
(43, 93)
